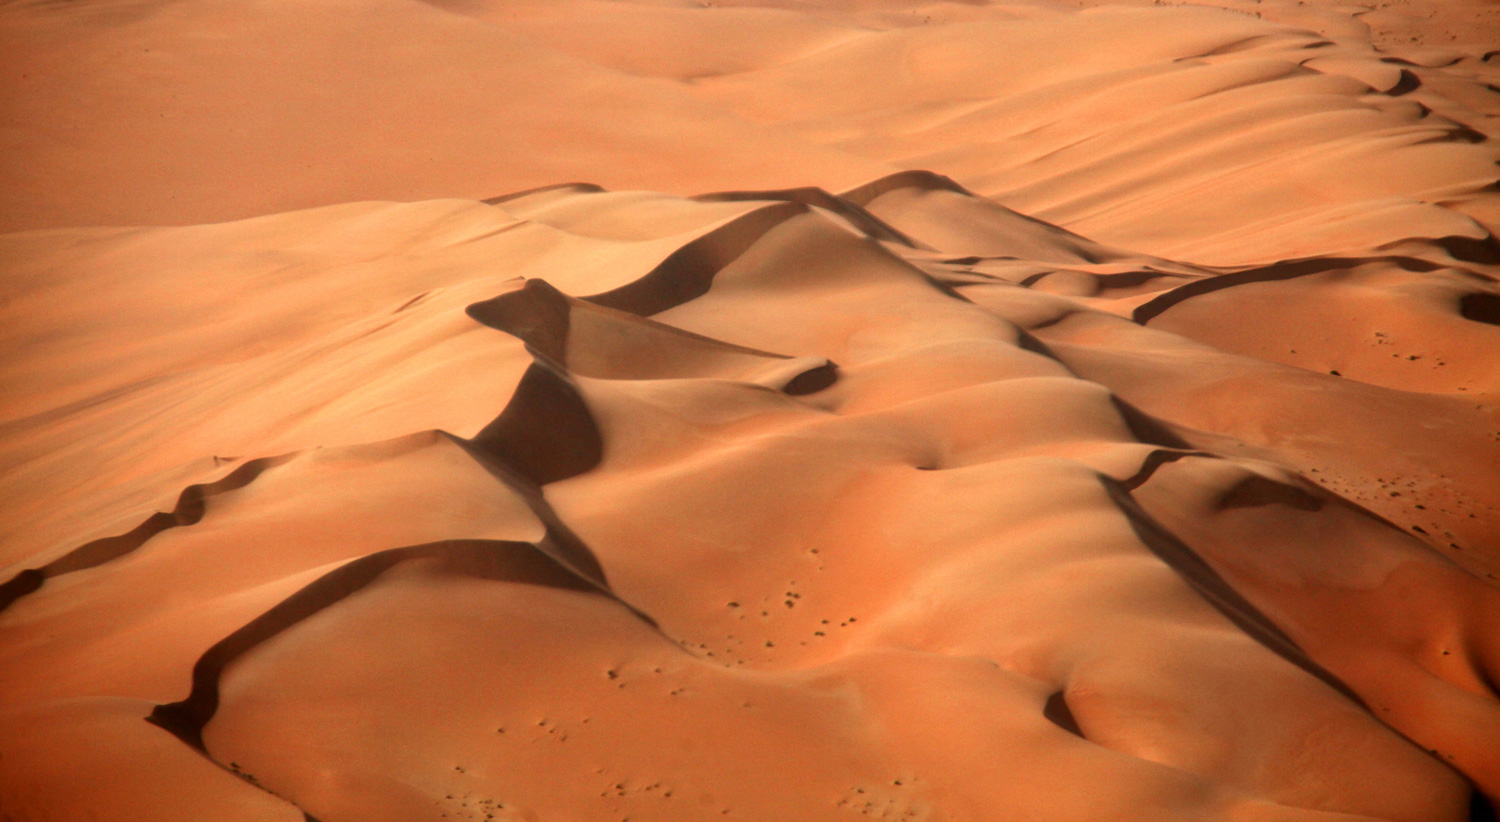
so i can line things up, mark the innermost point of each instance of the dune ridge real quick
(559, 429)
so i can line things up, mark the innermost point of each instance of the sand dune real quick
(506, 410)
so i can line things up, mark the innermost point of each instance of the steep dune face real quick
(1012, 412)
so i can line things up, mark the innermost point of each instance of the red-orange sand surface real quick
(767, 410)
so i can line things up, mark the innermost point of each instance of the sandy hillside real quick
(505, 410)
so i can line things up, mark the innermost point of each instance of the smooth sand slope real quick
(1054, 411)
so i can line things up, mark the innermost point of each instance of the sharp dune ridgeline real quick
(752, 410)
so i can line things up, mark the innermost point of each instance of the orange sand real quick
(958, 411)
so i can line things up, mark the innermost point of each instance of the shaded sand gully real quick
(862, 497)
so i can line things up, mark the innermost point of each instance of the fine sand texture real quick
(757, 410)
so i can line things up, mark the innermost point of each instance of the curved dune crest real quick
(485, 560)
(188, 511)
(911, 411)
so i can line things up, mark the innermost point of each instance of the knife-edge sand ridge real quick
(855, 410)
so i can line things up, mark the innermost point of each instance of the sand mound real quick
(1007, 411)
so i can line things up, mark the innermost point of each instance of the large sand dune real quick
(604, 410)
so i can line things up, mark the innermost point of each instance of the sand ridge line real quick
(189, 510)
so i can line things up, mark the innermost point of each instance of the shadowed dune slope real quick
(908, 411)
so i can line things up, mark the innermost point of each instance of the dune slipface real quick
(601, 410)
